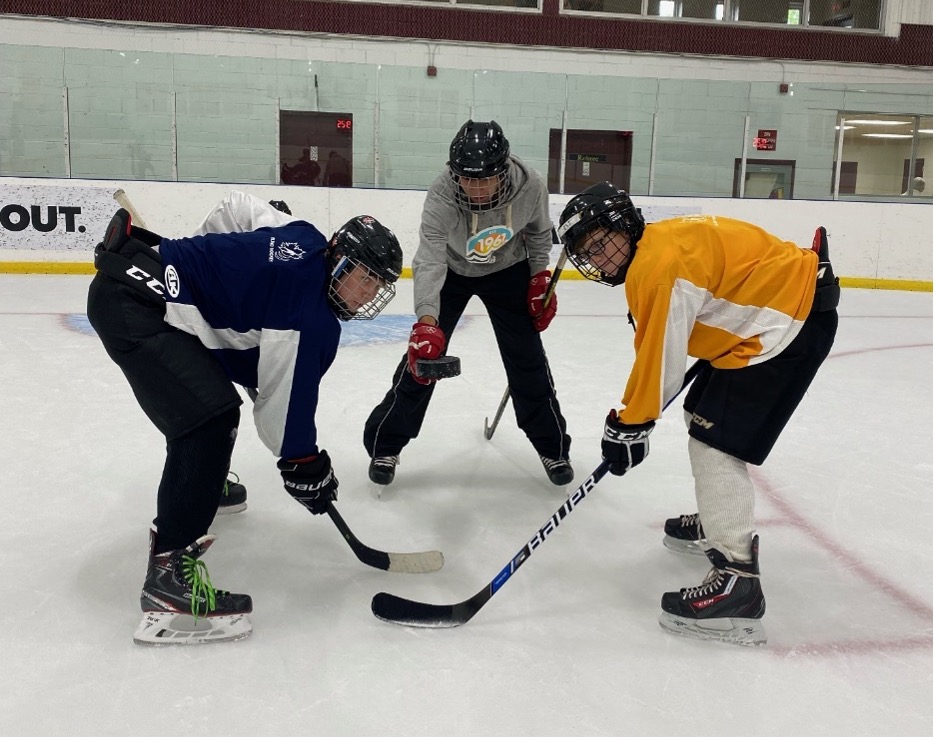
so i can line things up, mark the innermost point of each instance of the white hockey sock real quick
(724, 492)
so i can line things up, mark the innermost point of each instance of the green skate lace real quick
(227, 482)
(196, 573)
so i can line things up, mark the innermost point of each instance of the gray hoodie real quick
(478, 243)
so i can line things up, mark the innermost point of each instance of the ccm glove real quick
(535, 297)
(624, 446)
(425, 341)
(311, 481)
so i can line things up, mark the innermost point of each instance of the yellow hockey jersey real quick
(714, 288)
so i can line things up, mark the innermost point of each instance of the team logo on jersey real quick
(699, 218)
(288, 251)
(482, 246)
(173, 284)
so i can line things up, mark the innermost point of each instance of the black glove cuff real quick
(317, 466)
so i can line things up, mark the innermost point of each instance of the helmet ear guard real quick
(589, 220)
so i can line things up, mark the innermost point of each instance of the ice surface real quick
(569, 646)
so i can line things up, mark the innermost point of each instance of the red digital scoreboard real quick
(344, 124)
(765, 140)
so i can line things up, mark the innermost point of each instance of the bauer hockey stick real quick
(394, 609)
(490, 429)
(121, 197)
(414, 563)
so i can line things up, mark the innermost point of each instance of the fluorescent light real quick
(877, 122)
(925, 131)
(888, 136)
(838, 128)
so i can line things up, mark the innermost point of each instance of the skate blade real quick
(743, 631)
(162, 629)
(681, 546)
(231, 509)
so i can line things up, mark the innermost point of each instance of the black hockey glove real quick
(624, 446)
(311, 481)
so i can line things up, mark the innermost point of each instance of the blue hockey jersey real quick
(259, 301)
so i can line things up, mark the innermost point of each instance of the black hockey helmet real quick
(281, 206)
(363, 241)
(479, 151)
(596, 212)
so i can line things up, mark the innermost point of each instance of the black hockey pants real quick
(186, 394)
(742, 411)
(398, 418)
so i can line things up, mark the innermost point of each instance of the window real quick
(316, 149)
(860, 14)
(883, 150)
(591, 156)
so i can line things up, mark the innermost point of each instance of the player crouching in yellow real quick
(762, 312)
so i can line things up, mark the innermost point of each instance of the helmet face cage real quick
(589, 221)
(610, 273)
(363, 243)
(345, 278)
(479, 152)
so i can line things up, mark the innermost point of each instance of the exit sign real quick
(765, 140)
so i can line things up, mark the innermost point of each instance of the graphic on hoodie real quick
(481, 246)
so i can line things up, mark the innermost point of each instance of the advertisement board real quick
(47, 217)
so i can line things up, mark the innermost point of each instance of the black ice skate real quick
(559, 470)
(234, 498)
(383, 469)
(181, 606)
(684, 534)
(727, 606)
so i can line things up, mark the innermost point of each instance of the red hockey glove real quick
(311, 481)
(538, 287)
(425, 341)
(625, 446)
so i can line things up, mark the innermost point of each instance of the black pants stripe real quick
(398, 418)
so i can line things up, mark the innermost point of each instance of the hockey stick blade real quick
(398, 610)
(407, 612)
(418, 562)
(489, 429)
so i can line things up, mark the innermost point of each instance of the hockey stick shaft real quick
(489, 430)
(416, 562)
(394, 609)
(121, 197)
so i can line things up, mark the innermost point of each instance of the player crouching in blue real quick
(762, 313)
(185, 320)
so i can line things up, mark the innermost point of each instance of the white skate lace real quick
(690, 520)
(388, 461)
(551, 464)
(713, 581)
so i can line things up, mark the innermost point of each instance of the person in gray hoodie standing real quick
(485, 232)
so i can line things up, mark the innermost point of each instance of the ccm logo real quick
(139, 274)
